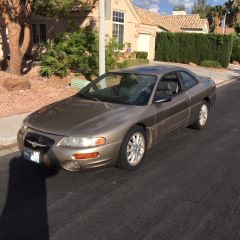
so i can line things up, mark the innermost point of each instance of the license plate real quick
(31, 155)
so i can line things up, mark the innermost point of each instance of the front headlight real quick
(82, 142)
(24, 127)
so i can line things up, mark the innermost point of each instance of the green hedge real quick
(141, 55)
(236, 49)
(193, 47)
(210, 64)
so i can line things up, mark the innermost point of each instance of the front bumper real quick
(61, 157)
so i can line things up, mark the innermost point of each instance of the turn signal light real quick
(100, 141)
(82, 156)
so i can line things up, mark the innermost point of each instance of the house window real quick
(118, 28)
(39, 33)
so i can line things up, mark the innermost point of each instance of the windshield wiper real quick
(88, 97)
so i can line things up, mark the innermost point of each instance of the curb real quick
(8, 150)
(6, 141)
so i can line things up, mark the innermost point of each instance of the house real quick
(124, 22)
(179, 21)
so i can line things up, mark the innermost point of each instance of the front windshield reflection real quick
(123, 88)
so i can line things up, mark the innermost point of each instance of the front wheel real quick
(133, 149)
(202, 117)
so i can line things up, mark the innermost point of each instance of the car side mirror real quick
(162, 99)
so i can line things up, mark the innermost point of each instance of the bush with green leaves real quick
(193, 47)
(76, 51)
(236, 49)
(237, 28)
(210, 64)
(54, 62)
(141, 55)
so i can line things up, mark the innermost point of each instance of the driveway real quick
(188, 188)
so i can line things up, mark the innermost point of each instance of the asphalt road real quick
(187, 188)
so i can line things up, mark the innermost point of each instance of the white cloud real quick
(154, 8)
(152, 5)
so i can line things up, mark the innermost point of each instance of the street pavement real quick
(188, 188)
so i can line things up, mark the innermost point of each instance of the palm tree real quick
(229, 12)
(216, 15)
(236, 8)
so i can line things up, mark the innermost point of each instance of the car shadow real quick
(24, 215)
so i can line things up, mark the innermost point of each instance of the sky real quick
(166, 6)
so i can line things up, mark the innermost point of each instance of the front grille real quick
(34, 140)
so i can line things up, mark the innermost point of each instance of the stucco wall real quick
(132, 25)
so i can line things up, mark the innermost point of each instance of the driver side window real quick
(168, 86)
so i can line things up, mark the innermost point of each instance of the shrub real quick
(237, 28)
(193, 47)
(54, 63)
(141, 55)
(210, 64)
(76, 51)
(236, 49)
(132, 62)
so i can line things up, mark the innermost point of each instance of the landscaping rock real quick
(16, 84)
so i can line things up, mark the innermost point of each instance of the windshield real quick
(123, 88)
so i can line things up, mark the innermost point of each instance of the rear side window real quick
(188, 81)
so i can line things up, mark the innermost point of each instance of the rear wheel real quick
(133, 149)
(202, 117)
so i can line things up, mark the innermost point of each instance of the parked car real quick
(116, 118)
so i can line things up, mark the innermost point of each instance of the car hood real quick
(76, 116)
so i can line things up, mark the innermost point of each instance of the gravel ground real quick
(43, 91)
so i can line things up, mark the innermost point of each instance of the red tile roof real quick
(172, 23)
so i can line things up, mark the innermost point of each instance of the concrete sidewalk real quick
(9, 126)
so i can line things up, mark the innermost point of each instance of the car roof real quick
(151, 69)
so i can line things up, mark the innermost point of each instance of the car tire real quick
(133, 149)
(201, 122)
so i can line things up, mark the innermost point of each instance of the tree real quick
(215, 16)
(201, 7)
(236, 6)
(229, 12)
(16, 17)
(179, 8)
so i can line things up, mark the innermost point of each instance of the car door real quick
(173, 114)
(189, 84)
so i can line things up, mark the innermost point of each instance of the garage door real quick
(144, 42)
